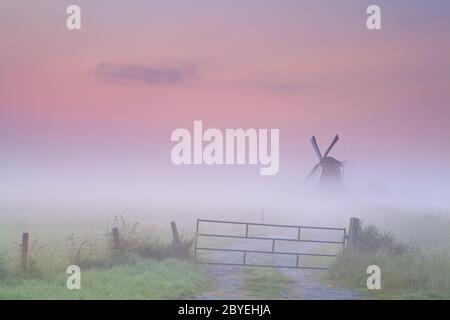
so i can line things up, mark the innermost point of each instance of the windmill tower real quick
(331, 169)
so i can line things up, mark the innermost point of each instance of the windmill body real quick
(331, 168)
(331, 174)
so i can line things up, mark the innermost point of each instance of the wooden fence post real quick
(176, 236)
(116, 241)
(24, 256)
(352, 240)
(176, 240)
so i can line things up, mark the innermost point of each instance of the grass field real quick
(414, 258)
(138, 279)
(149, 266)
(411, 248)
(407, 276)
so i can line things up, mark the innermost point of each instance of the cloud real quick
(142, 74)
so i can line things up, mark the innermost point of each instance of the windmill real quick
(331, 169)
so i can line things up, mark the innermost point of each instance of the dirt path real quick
(228, 284)
(306, 284)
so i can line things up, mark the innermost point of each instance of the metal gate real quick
(273, 241)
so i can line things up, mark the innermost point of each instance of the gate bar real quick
(271, 252)
(270, 225)
(263, 265)
(264, 238)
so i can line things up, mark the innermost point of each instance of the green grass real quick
(409, 269)
(265, 283)
(146, 266)
(139, 279)
(406, 276)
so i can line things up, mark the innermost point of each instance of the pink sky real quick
(75, 120)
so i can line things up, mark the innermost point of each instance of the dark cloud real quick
(141, 74)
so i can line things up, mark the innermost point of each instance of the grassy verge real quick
(143, 266)
(140, 279)
(407, 276)
(265, 283)
(407, 272)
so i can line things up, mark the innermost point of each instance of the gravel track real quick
(229, 280)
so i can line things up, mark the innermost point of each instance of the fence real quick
(349, 239)
(347, 242)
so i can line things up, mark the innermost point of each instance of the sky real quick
(86, 115)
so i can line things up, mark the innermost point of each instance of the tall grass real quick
(49, 255)
(138, 241)
(372, 240)
(2, 265)
(407, 270)
(149, 266)
(139, 279)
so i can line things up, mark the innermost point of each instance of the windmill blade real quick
(316, 148)
(331, 145)
(312, 172)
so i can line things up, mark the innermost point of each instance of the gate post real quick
(24, 255)
(176, 236)
(353, 229)
(176, 239)
(196, 240)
